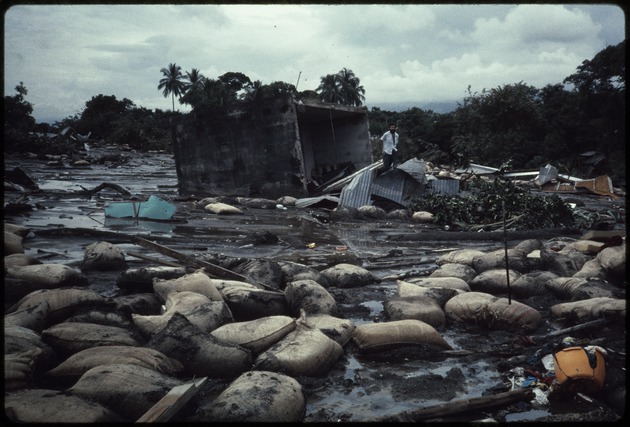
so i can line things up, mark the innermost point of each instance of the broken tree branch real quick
(114, 187)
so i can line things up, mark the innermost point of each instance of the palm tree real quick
(193, 88)
(194, 80)
(329, 90)
(172, 82)
(341, 88)
(352, 92)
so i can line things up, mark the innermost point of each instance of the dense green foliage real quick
(341, 88)
(525, 126)
(517, 124)
(18, 121)
(490, 203)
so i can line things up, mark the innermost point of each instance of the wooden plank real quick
(567, 331)
(459, 406)
(153, 259)
(217, 270)
(174, 400)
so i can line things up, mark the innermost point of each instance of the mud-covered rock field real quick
(493, 370)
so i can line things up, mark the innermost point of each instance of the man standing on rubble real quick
(390, 146)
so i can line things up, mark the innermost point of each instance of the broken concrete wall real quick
(240, 153)
(268, 148)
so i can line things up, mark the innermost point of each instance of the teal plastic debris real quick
(154, 208)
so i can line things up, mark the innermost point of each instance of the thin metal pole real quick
(507, 267)
(332, 128)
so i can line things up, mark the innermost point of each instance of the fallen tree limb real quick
(459, 406)
(214, 269)
(114, 187)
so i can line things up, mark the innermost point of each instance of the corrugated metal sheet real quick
(325, 200)
(390, 185)
(357, 193)
(477, 169)
(448, 187)
(415, 168)
(342, 182)
(397, 185)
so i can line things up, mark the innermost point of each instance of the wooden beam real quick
(153, 259)
(459, 406)
(214, 269)
(172, 402)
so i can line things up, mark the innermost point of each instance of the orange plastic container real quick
(573, 370)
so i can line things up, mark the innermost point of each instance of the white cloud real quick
(66, 54)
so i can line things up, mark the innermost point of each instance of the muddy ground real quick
(65, 216)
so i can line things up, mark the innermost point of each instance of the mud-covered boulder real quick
(494, 281)
(335, 328)
(19, 259)
(71, 369)
(255, 396)
(35, 406)
(62, 302)
(199, 352)
(385, 335)
(295, 271)
(305, 351)
(103, 256)
(13, 243)
(440, 282)
(416, 307)
(32, 317)
(349, 276)
(222, 209)
(451, 269)
(577, 288)
(128, 390)
(533, 283)
(198, 282)
(311, 297)
(613, 261)
(68, 338)
(48, 276)
(517, 260)
(459, 256)
(141, 279)
(202, 312)
(590, 309)
(489, 311)
(437, 293)
(255, 335)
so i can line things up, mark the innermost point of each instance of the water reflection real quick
(138, 225)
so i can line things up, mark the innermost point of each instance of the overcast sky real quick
(418, 54)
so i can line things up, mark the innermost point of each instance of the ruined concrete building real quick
(278, 146)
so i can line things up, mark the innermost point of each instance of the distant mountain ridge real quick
(436, 107)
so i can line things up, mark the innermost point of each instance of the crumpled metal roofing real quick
(393, 185)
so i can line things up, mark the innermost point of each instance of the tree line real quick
(203, 93)
(579, 129)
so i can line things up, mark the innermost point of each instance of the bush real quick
(491, 201)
